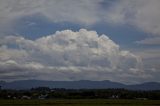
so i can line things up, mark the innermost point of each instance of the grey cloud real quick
(150, 53)
(151, 62)
(143, 14)
(150, 41)
(10, 70)
(81, 11)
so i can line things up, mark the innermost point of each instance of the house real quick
(25, 97)
(114, 97)
(43, 96)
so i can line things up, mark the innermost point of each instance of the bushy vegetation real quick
(47, 93)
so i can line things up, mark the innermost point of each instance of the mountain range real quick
(82, 84)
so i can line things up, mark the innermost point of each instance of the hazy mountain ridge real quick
(82, 84)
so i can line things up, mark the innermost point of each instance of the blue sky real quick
(30, 42)
(36, 27)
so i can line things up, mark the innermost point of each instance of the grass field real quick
(79, 102)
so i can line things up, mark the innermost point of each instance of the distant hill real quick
(145, 86)
(82, 84)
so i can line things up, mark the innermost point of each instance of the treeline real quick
(47, 93)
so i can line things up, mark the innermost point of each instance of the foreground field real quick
(80, 102)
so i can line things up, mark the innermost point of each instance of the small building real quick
(114, 97)
(42, 96)
(25, 97)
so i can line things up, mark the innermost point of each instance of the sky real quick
(68, 40)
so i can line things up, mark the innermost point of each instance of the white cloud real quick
(68, 55)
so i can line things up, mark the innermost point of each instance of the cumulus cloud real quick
(68, 55)
(64, 52)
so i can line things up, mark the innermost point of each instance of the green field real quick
(80, 102)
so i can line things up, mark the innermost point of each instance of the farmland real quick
(79, 102)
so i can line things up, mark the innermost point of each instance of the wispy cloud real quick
(150, 41)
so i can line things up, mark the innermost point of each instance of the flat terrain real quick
(79, 102)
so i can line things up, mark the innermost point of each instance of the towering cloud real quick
(68, 55)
